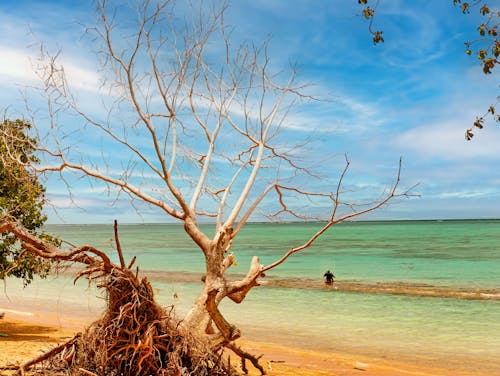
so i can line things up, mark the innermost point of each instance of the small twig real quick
(245, 355)
(132, 262)
(48, 355)
(83, 370)
(9, 368)
(118, 246)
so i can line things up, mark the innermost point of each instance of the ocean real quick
(422, 291)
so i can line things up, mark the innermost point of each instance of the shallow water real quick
(451, 253)
(295, 308)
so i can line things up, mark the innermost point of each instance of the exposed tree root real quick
(135, 336)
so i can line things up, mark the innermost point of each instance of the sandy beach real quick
(24, 338)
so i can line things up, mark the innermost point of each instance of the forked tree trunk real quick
(204, 318)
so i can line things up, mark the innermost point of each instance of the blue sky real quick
(412, 96)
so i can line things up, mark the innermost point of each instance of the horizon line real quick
(280, 222)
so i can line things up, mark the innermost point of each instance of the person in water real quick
(329, 277)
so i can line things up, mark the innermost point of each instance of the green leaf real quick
(22, 197)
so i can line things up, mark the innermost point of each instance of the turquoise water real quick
(456, 255)
(448, 253)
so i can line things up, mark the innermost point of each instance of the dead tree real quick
(198, 120)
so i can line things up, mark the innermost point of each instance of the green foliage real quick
(369, 14)
(22, 198)
(486, 45)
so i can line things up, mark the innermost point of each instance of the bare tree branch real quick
(333, 220)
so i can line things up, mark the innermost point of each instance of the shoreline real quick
(23, 338)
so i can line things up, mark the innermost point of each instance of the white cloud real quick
(447, 140)
(464, 194)
(15, 65)
(66, 201)
(81, 78)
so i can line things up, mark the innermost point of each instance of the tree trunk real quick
(204, 320)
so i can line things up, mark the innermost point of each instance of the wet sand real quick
(24, 338)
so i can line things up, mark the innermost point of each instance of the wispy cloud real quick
(65, 201)
(467, 194)
(21, 64)
(446, 140)
(15, 66)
